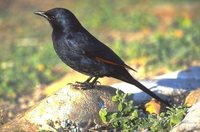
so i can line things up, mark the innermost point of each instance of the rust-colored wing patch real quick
(113, 63)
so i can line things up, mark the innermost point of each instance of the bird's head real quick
(60, 18)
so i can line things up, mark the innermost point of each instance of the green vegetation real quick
(170, 38)
(129, 117)
(168, 50)
(27, 67)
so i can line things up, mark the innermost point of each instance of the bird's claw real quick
(84, 85)
(96, 83)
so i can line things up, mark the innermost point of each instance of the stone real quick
(76, 109)
(192, 98)
(191, 121)
(67, 109)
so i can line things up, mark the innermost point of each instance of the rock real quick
(193, 97)
(69, 108)
(191, 121)
(19, 124)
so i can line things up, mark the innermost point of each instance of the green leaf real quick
(103, 113)
(174, 120)
(120, 106)
(130, 103)
(124, 96)
(117, 92)
(134, 114)
(115, 98)
(114, 115)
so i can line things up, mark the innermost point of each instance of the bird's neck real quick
(66, 26)
(66, 30)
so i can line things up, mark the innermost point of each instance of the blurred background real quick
(153, 37)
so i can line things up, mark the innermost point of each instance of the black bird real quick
(80, 50)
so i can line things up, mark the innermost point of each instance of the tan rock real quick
(193, 97)
(191, 121)
(69, 108)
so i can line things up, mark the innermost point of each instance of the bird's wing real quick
(106, 55)
(95, 49)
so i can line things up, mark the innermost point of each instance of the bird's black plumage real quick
(80, 50)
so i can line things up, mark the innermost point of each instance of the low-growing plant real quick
(129, 117)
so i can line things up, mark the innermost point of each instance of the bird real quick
(84, 53)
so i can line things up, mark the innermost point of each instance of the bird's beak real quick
(41, 13)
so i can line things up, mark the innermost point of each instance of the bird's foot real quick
(84, 85)
(96, 83)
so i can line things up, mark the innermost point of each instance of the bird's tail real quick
(129, 79)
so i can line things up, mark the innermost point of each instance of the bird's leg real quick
(87, 84)
(83, 85)
(88, 80)
(94, 82)
(90, 85)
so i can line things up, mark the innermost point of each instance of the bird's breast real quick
(74, 56)
(79, 62)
